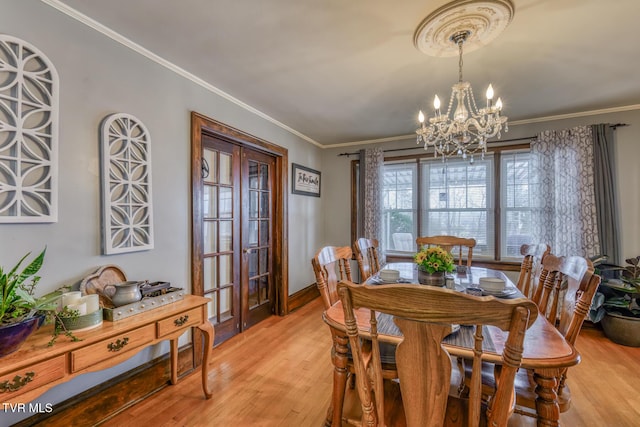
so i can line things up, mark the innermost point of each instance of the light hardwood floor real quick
(278, 373)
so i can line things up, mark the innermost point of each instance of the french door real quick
(237, 217)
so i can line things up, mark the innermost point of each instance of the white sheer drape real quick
(563, 187)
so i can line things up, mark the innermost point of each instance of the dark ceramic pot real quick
(12, 336)
(432, 279)
(622, 329)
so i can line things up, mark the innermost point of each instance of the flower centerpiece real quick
(433, 262)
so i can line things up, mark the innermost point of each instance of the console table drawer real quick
(179, 321)
(28, 378)
(111, 347)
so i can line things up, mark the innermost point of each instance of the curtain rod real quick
(619, 125)
(416, 147)
(614, 126)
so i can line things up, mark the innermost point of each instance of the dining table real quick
(546, 352)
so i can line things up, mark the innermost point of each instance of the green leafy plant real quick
(17, 295)
(59, 327)
(618, 295)
(434, 259)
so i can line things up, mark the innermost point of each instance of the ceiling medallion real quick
(483, 19)
(464, 128)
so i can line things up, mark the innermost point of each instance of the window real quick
(424, 197)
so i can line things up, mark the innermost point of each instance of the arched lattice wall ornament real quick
(127, 218)
(28, 133)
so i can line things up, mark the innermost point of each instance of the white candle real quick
(92, 301)
(81, 307)
(71, 298)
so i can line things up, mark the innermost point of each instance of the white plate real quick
(506, 292)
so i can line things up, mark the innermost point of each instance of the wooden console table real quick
(36, 367)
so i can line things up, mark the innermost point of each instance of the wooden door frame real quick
(201, 124)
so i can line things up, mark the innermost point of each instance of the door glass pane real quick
(226, 202)
(253, 233)
(253, 174)
(209, 201)
(253, 263)
(264, 205)
(264, 233)
(226, 237)
(226, 269)
(253, 204)
(253, 292)
(264, 177)
(210, 276)
(225, 168)
(264, 261)
(211, 306)
(209, 165)
(264, 288)
(226, 304)
(209, 236)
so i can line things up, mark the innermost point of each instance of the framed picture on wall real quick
(305, 181)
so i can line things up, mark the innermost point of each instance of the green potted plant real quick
(433, 263)
(21, 313)
(616, 304)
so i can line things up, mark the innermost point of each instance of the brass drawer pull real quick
(18, 382)
(118, 345)
(182, 320)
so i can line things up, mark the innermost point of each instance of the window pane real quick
(399, 207)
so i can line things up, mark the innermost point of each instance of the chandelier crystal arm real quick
(465, 128)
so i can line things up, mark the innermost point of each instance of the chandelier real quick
(464, 128)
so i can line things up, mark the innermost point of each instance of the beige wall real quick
(627, 149)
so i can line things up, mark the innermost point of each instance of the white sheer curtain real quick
(563, 192)
(370, 203)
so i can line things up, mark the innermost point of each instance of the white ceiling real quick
(340, 71)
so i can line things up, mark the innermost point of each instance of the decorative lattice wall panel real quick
(127, 219)
(28, 134)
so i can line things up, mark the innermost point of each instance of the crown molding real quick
(84, 19)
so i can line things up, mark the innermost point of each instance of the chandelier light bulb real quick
(499, 104)
(421, 117)
(436, 103)
(490, 92)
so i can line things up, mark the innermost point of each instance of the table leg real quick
(339, 357)
(208, 332)
(547, 401)
(174, 360)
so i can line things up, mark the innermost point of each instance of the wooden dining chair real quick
(366, 251)
(531, 266)
(449, 243)
(567, 287)
(330, 265)
(424, 315)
